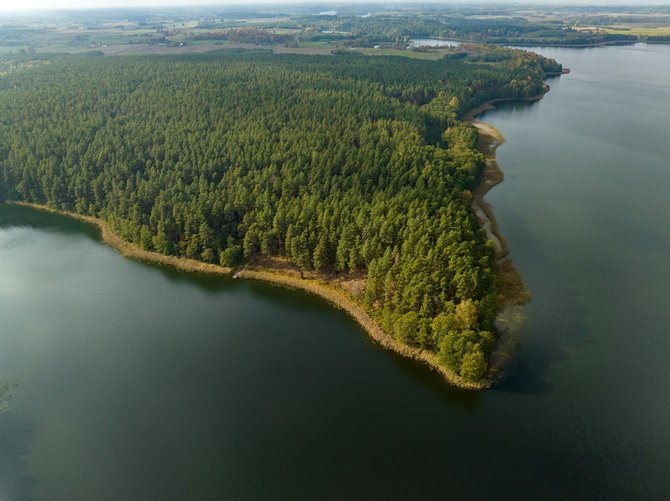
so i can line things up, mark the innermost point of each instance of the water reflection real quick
(16, 216)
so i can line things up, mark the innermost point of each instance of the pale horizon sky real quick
(32, 5)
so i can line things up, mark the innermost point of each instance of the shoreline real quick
(339, 298)
(512, 292)
(328, 291)
(567, 45)
(490, 138)
(131, 251)
(489, 105)
(541, 44)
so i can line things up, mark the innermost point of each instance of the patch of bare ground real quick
(352, 283)
(115, 50)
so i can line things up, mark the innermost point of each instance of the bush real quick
(474, 365)
(231, 257)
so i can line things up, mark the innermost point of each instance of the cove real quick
(138, 382)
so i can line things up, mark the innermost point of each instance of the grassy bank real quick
(131, 251)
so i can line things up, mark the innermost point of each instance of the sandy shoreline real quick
(490, 105)
(490, 138)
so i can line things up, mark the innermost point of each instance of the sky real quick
(7, 5)
(13, 5)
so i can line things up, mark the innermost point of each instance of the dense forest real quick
(340, 163)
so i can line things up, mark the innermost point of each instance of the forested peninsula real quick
(351, 167)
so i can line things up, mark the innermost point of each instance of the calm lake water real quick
(137, 382)
(434, 42)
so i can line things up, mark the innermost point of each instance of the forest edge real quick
(512, 291)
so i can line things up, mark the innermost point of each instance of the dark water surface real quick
(137, 382)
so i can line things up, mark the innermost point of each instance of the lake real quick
(138, 382)
(433, 42)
